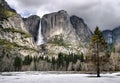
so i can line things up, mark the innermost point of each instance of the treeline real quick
(62, 62)
(65, 60)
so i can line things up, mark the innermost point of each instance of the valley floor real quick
(57, 77)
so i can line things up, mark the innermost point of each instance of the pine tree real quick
(27, 60)
(35, 59)
(98, 45)
(53, 62)
(17, 63)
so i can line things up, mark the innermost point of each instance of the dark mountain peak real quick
(116, 29)
(81, 28)
(108, 35)
(77, 19)
(112, 36)
(62, 11)
(107, 31)
(32, 25)
(31, 17)
(34, 16)
(116, 34)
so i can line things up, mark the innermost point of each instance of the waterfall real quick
(40, 39)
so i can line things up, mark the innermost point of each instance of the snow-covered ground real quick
(47, 77)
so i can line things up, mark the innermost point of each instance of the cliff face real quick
(32, 25)
(13, 32)
(58, 23)
(112, 36)
(69, 34)
(81, 29)
(72, 29)
(108, 35)
(116, 34)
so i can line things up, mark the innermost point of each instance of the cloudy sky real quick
(102, 13)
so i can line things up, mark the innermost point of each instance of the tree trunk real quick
(98, 62)
(35, 67)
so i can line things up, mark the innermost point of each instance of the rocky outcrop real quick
(108, 35)
(13, 32)
(58, 23)
(112, 36)
(32, 25)
(81, 29)
(64, 33)
(116, 34)
(73, 29)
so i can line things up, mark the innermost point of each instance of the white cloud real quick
(103, 13)
(41, 11)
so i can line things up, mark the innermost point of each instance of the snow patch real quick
(46, 77)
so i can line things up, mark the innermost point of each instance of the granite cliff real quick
(112, 36)
(64, 33)
(13, 30)
(32, 25)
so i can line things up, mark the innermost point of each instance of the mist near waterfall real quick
(40, 39)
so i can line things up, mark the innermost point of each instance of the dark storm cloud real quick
(102, 13)
(32, 3)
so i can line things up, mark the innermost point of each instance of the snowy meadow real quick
(48, 77)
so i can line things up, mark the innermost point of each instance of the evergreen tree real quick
(27, 60)
(35, 59)
(60, 59)
(82, 57)
(17, 63)
(98, 45)
(53, 62)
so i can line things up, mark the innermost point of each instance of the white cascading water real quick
(40, 40)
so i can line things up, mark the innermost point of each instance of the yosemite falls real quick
(40, 40)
